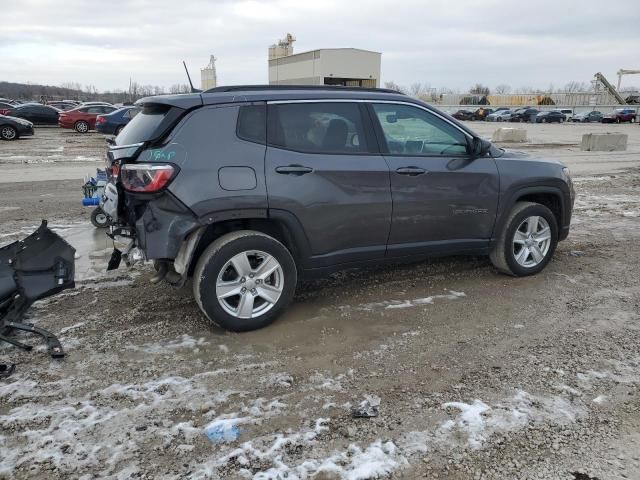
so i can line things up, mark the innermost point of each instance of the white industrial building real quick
(350, 67)
(208, 76)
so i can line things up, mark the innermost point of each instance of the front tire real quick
(7, 132)
(81, 126)
(527, 241)
(244, 280)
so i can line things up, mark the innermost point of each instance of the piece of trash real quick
(577, 253)
(222, 431)
(7, 369)
(368, 408)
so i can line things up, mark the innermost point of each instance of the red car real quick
(83, 119)
(620, 115)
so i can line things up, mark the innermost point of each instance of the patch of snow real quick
(187, 341)
(395, 304)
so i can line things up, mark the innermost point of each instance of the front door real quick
(443, 200)
(321, 167)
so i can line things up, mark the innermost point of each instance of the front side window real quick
(412, 131)
(317, 127)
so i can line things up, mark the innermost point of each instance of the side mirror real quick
(392, 118)
(479, 147)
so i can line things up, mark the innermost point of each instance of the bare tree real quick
(479, 89)
(391, 85)
(576, 86)
(418, 89)
(502, 89)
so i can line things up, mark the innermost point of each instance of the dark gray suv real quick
(246, 189)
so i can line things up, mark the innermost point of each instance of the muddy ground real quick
(478, 375)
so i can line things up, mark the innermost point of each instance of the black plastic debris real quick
(368, 408)
(582, 476)
(37, 267)
(7, 369)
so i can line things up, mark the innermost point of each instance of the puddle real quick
(93, 250)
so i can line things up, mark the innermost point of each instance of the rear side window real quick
(317, 127)
(252, 123)
(143, 127)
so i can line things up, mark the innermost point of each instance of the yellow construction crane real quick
(622, 72)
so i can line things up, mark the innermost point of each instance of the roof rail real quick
(235, 88)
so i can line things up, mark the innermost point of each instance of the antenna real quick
(193, 90)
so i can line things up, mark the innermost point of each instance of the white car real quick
(499, 116)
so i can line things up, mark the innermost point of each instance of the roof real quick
(261, 93)
(328, 50)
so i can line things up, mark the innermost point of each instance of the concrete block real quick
(604, 142)
(510, 135)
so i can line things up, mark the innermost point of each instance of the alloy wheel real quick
(531, 241)
(250, 284)
(8, 133)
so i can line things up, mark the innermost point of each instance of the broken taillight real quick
(146, 177)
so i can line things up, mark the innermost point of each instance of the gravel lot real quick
(478, 375)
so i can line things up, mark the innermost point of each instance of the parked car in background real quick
(35, 113)
(64, 106)
(499, 116)
(463, 115)
(83, 119)
(5, 107)
(620, 115)
(112, 123)
(550, 117)
(481, 113)
(568, 113)
(525, 115)
(93, 104)
(12, 128)
(586, 117)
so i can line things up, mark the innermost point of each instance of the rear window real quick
(252, 123)
(144, 125)
(317, 127)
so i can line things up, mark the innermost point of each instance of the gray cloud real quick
(444, 43)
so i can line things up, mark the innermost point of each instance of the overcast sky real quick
(450, 43)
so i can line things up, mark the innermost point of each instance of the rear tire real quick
(514, 252)
(7, 132)
(118, 130)
(230, 288)
(81, 126)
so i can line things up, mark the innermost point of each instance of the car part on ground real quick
(304, 179)
(37, 267)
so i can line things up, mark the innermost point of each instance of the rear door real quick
(443, 200)
(322, 170)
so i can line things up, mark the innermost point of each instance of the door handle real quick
(412, 171)
(294, 170)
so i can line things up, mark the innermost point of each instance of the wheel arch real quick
(282, 226)
(551, 197)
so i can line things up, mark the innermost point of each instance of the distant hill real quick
(74, 91)
(29, 91)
